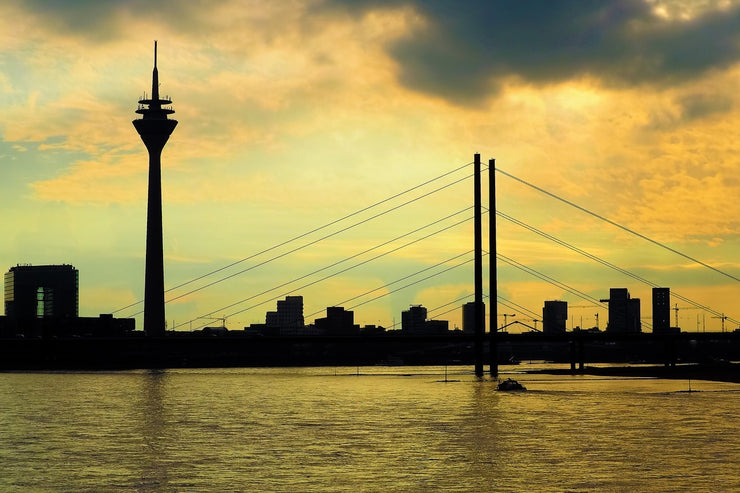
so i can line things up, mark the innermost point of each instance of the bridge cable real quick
(343, 260)
(625, 228)
(295, 238)
(503, 300)
(548, 279)
(430, 311)
(554, 282)
(305, 245)
(605, 262)
(373, 290)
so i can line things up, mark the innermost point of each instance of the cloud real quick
(106, 20)
(696, 106)
(466, 54)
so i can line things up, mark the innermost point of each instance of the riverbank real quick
(718, 372)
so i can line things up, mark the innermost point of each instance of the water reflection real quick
(154, 431)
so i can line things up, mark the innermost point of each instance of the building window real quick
(40, 302)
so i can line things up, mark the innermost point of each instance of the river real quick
(363, 429)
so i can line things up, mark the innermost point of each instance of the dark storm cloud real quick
(468, 47)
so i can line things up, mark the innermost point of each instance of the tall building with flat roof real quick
(468, 317)
(41, 291)
(661, 309)
(554, 316)
(624, 311)
(413, 319)
(338, 321)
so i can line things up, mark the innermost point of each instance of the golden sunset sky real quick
(293, 114)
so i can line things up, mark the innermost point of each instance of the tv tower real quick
(154, 128)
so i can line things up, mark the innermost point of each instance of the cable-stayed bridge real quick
(463, 256)
(458, 179)
(182, 348)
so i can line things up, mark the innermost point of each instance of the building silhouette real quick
(624, 311)
(414, 322)
(413, 319)
(468, 317)
(554, 317)
(155, 129)
(41, 291)
(661, 309)
(43, 301)
(338, 321)
(289, 313)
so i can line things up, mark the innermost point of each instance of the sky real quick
(295, 114)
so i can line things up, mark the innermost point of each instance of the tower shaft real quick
(154, 319)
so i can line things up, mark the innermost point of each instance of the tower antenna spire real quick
(155, 80)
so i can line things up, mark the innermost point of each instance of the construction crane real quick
(222, 319)
(596, 315)
(676, 308)
(506, 316)
(722, 317)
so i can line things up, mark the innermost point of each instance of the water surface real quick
(332, 429)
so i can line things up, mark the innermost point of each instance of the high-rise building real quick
(338, 321)
(624, 312)
(155, 129)
(661, 309)
(413, 319)
(289, 313)
(41, 291)
(468, 317)
(554, 316)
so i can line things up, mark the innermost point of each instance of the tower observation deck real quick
(155, 129)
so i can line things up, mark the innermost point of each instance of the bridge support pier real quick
(572, 345)
(577, 354)
(493, 353)
(669, 351)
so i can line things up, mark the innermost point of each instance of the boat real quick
(510, 384)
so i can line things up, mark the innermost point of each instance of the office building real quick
(41, 291)
(554, 317)
(414, 321)
(661, 309)
(468, 317)
(624, 311)
(338, 321)
(289, 313)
